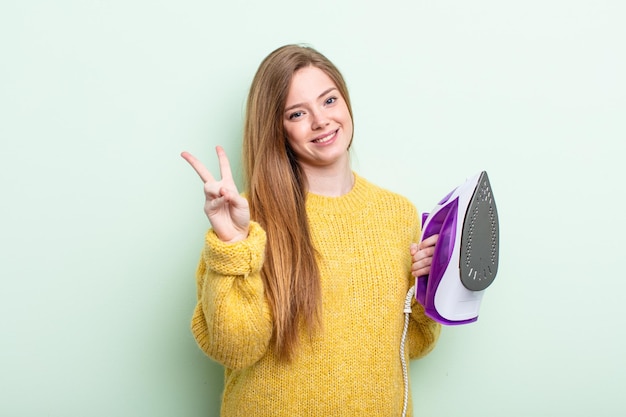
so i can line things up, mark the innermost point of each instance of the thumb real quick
(233, 197)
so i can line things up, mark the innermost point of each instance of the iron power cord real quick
(405, 371)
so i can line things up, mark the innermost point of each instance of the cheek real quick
(348, 123)
(345, 114)
(291, 143)
(294, 135)
(291, 140)
(287, 132)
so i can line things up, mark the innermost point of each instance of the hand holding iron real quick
(422, 255)
(225, 208)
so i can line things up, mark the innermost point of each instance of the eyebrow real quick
(302, 104)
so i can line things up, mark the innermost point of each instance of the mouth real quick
(326, 137)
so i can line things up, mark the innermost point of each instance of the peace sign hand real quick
(226, 209)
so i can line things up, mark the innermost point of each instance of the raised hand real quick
(226, 209)
(422, 255)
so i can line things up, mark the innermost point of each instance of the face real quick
(317, 120)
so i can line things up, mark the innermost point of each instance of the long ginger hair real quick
(276, 189)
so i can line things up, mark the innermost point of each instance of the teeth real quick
(325, 138)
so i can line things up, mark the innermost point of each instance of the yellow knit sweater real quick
(352, 366)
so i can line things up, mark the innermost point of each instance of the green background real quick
(101, 221)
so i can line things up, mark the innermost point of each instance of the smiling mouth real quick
(326, 138)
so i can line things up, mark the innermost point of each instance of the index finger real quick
(430, 241)
(224, 163)
(200, 169)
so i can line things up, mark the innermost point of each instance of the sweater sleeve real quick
(232, 321)
(423, 332)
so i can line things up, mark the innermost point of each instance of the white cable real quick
(405, 372)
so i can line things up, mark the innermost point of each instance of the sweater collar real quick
(355, 200)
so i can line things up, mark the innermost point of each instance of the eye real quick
(295, 115)
(330, 100)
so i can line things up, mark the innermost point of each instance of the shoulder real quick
(383, 196)
(392, 213)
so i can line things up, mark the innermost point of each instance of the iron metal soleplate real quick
(478, 260)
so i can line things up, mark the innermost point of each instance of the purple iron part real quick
(465, 261)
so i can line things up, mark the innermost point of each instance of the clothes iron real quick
(465, 260)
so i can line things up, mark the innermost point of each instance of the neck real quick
(330, 182)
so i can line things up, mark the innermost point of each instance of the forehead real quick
(307, 84)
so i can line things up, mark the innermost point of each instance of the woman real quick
(302, 280)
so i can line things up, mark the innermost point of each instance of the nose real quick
(319, 120)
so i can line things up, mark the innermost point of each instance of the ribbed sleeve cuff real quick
(239, 258)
